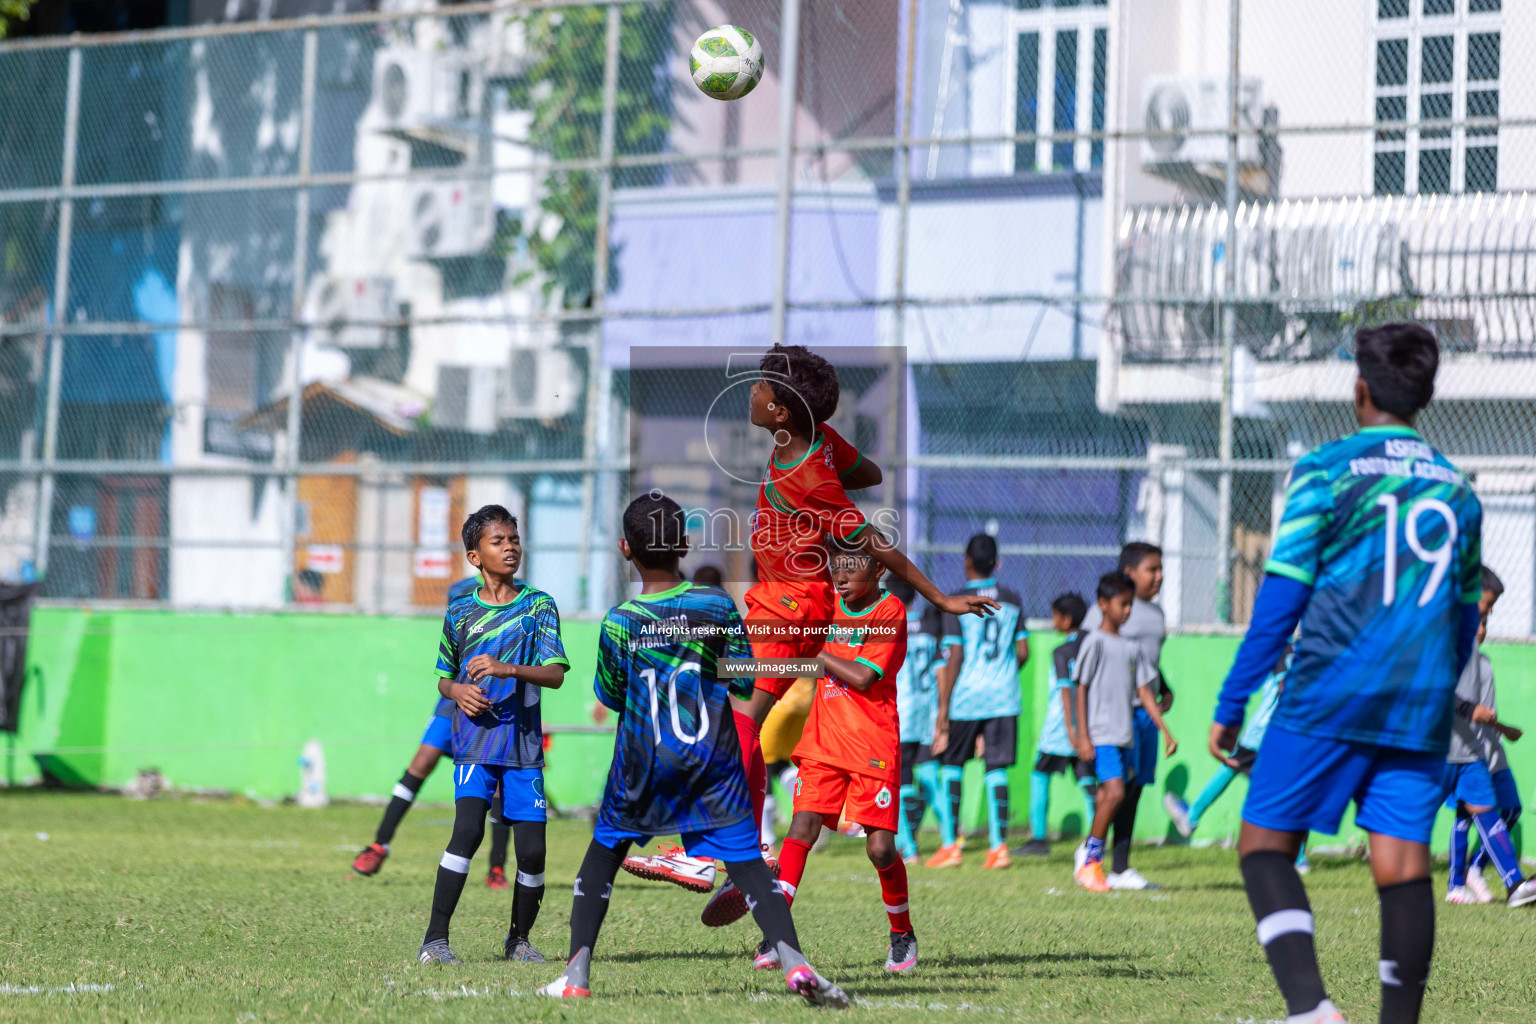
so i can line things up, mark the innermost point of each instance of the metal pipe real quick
(789, 79)
(1228, 327)
(893, 411)
(596, 370)
(295, 426)
(45, 486)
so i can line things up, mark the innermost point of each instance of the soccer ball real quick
(726, 62)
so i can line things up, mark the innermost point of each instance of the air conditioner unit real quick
(335, 303)
(425, 89)
(542, 384)
(445, 219)
(468, 398)
(1175, 108)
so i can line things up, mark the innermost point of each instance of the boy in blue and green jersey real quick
(916, 705)
(677, 764)
(1377, 559)
(1057, 750)
(500, 647)
(979, 702)
(436, 741)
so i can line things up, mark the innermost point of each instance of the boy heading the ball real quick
(676, 765)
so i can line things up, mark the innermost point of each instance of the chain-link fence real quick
(280, 301)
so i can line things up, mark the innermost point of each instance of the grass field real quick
(182, 910)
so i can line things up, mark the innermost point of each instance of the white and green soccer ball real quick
(726, 62)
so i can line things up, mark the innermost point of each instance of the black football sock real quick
(453, 869)
(912, 808)
(1279, 903)
(400, 801)
(501, 831)
(1407, 944)
(528, 890)
(768, 907)
(952, 794)
(594, 886)
(1124, 826)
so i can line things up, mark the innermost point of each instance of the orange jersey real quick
(858, 731)
(799, 505)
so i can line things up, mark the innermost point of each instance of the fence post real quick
(598, 383)
(290, 524)
(899, 287)
(789, 79)
(1228, 330)
(45, 485)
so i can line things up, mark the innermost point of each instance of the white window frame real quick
(1415, 28)
(1048, 21)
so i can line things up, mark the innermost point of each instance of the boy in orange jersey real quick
(850, 754)
(801, 503)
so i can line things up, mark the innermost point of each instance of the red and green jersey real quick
(859, 731)
(799, 505)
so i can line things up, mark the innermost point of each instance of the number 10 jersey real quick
(676, 759)
(1388, 534)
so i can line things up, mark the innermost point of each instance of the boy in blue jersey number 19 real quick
(1377, 559)
(500, 646)
(979, 703)
(677, 764)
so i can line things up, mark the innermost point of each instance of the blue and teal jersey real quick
(1388, 535)
(524, 631)
(462, 589)
(988, 684)
(1257, 723)
(1054, 737)
(676, 760)
(917, 687)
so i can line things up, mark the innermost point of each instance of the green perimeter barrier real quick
(226, 702)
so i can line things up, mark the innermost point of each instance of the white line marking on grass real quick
(762, 996)
(7, 989)
(466, 992)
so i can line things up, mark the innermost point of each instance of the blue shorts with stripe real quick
(1505, 789)
(439, 734)
(734, 843)
(522, 790)
(1114, 763)
(1470, 784)
(1305, 783)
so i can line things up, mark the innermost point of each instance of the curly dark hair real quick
(802, 382)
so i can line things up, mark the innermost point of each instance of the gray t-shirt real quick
(1112, 668)
(1493, 740)
(1469, 741)
(1146, 628)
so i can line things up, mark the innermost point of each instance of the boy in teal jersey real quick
(979, 702)
(1377, 559)
(436, 741)
(916, 705)
(500, 646)
(1057, 749)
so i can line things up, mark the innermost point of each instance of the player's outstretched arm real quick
(851, 673)
(865, 474)
(899, 565)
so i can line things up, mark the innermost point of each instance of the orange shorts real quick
(799, 602)
(863, 799)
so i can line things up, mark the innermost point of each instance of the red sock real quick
(893, 889)
(791, 866)
(747, 733)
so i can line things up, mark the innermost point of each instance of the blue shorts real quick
(1505, 790)
(733, 843)
(1470, 784)
(1305, 783)
(1114, 763)
(1144, 740)
(439, 734)
(522, 790)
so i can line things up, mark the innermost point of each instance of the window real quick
(1061, 76)
(1437, 65)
